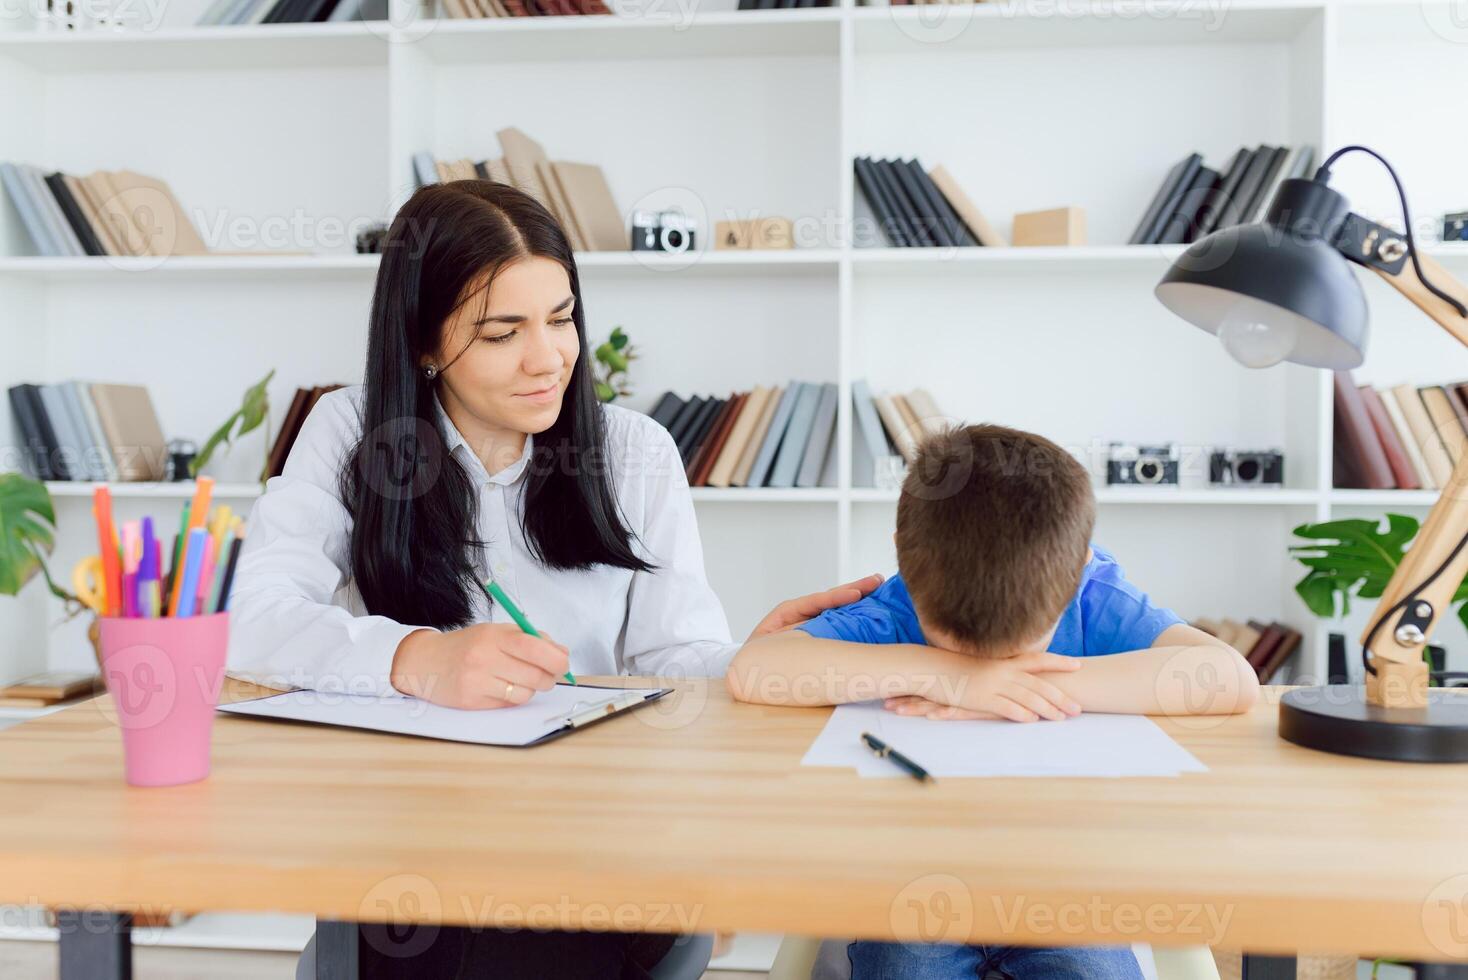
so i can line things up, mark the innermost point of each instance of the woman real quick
(477, 450)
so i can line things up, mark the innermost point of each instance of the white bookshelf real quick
(311, 129)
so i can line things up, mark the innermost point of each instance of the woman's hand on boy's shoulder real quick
(793, 612)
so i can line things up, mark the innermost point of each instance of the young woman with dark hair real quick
(476, 449)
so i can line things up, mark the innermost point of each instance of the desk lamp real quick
(1283, 290)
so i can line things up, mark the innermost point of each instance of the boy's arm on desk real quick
(1185, 672)
(795, 668)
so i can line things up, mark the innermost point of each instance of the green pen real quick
(498, 595)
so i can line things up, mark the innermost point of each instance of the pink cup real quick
(164, 677)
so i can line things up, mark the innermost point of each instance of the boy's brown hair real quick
(993, 527)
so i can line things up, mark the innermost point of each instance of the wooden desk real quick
(695, 814)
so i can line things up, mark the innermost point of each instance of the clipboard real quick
(548, 715)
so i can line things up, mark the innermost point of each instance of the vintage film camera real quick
(1246, 468)
(661, 231)
(1128, 465)
(1455, 227)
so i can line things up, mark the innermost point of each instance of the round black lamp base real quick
(1338, 719)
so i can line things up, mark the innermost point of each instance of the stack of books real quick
(917, 208)
(1398, 438)
(76, 431)
(783, 436)
(459, 9)
(1195, 200)
(781, 4)
(116, 212)
(291, 11)
(576, 193)
(765, 437)
(1265, 645)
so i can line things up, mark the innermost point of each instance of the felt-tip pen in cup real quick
(498, 595)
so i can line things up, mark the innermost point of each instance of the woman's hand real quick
(487, 665)
(793, 612)
(1005, 688)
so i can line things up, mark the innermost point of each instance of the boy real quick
(1002, 609)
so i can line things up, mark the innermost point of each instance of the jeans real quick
(416, 952)
(916, 961)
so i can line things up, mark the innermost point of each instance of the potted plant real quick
(27, 535)
(253, 411)
(613, 358)
(1355, 559)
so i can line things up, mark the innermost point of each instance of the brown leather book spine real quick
(1288, 643)
(1264, 649)
(706, 429)
(1459, 393)
(1458, 399)
(289, 426)
(1360, 436)
(715, 442)
(1396, 455)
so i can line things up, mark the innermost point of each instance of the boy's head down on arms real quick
(993, 532)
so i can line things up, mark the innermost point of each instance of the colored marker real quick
(187, 585)
(107, 548)
(235, 547)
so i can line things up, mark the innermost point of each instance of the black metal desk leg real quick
(1268, 967)
(336, 950)
(94, 945)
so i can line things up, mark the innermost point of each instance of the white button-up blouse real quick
(297, 619)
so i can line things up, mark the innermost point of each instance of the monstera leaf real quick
(247, 417)
(1355, 559)
(26, 522)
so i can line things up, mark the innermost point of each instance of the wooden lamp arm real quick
(1437, 562)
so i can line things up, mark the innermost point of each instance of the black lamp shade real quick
(1283, 274)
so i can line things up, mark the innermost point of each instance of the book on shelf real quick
(1403, 437)
(107, 213)
(784, 437)
(1267, 646)
(577, 194)
(75, 431)
(249, 12)
(914, 207)
(778, 436)
(1195, 200)
(301, 404)
(781, 4)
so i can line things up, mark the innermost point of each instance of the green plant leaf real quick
(252, 410)
(605, 392)
(255, 405)
(604, 351)
(619, 338)
(616, 362)
(26, 522)
(1348, 559)
(1318, 593)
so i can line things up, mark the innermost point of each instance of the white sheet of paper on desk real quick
(525, 723)
(1088, 745)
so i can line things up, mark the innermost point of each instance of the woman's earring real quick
(430, 371)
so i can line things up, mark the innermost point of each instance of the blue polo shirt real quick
(1107, 615)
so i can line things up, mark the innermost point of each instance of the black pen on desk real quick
(885, 751)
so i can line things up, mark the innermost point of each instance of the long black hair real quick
(414, 509)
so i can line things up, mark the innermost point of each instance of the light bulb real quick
(1254, 341)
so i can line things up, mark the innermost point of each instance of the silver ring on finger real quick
(509, 691)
